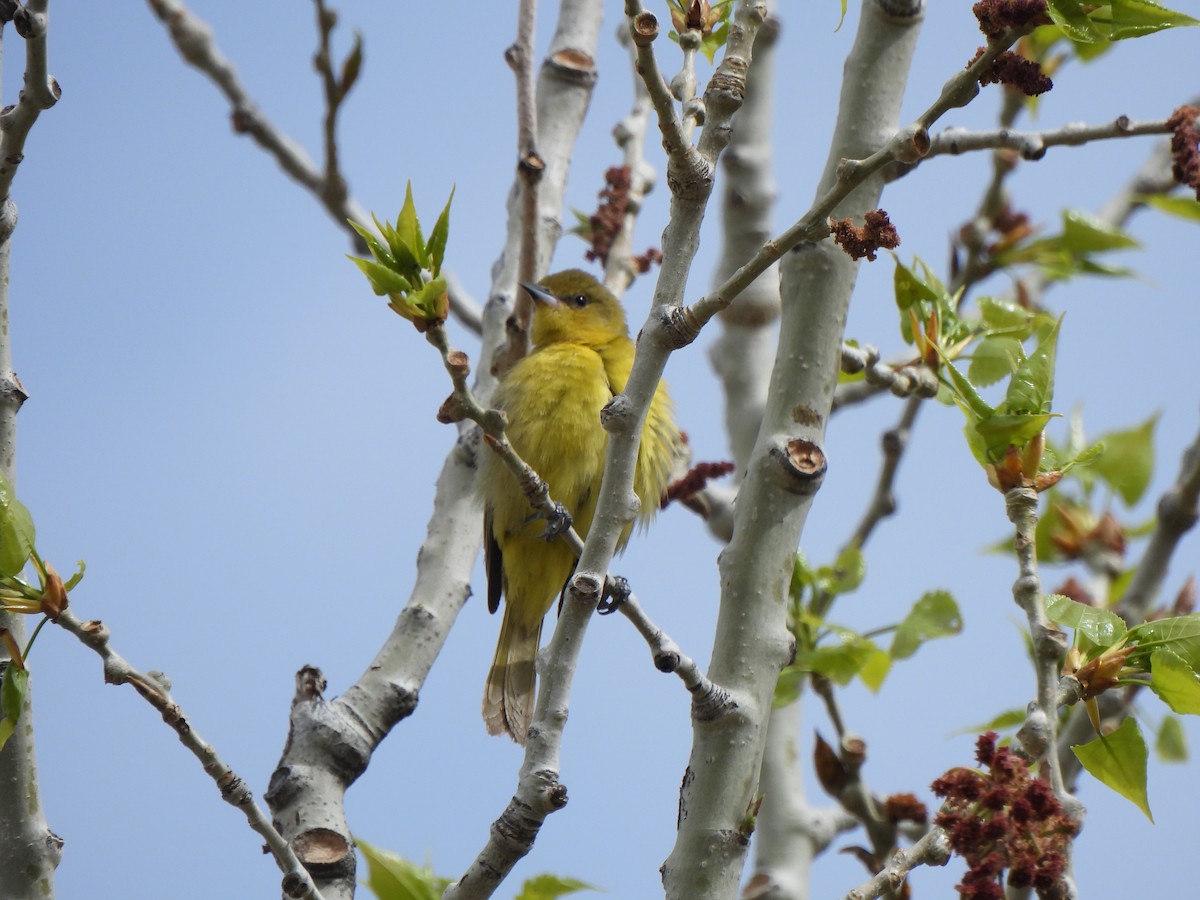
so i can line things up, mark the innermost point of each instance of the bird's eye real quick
(579, 301)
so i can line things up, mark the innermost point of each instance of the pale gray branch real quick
(29, 850)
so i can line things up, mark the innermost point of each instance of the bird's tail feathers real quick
(510, 691)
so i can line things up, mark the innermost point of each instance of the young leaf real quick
(1032, 387)
(1181, 207)
(1003, 314)
(16, 531)
(1171, 742)
(1128, 460)
(1136, 18)
(1101, 627)
(408, 229)
(392, 877)
(1084, 233)
(934, 615)
(383, 279)
(788, 686)
(12, 698)
(1175, 682)
(439, 235)
(909, 288)
(1072, 18)
(999, 431)
(840, 662)
(1180, 635)
(551, 887)
(875, 669)
(994, 358)
(1119, 761)
(378, 250)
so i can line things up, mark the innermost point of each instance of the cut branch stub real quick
(644, 29)
(800, 466)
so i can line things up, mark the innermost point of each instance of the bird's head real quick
(573, 306)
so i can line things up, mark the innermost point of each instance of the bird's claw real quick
(558, 521)
(616, 592)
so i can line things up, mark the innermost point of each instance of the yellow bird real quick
(580, 358)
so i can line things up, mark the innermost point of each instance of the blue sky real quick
(240, 441)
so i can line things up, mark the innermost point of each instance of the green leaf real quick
(1119, 761)
(934, 615)
(1179, 634)
(875, 669)
(12, 699)
(968, 398)
(1175, 682)
(74, 580)
(842, 18)
(428, 299)
(1128, 460)
(1171, 742)
(378, 250)
(802, 576)
(846, 574)
(1032, 387)
(840, 662)
(997, 313)
(999, 431)
(788, 686)
(439, 235)
(383, 280)
(994, 358)
(392, 877)
(1136, 18)
(1181, 207)
(909, 288)
(1070, 16)
(1084, 233)
(408, 229)
(1101, 627)
(550, 887)
(16, 531)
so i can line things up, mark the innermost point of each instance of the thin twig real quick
(931, 850)
(194, 40)
(155, 689)
(1033, 144)
(906, 145)
(666, 653)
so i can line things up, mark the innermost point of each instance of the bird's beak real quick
(539, 293)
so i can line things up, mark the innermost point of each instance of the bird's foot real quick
(616, 592)
(558, 522)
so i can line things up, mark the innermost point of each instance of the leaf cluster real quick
(406, 268)
(1163, 655)
(709, 20)
(842, 654)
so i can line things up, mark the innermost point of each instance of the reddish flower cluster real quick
(1185, 146)
(1020, 74)
(1004, 819)
(696, 478)
(876, 232)
(899, 808)
(998, 16)
(606, 222)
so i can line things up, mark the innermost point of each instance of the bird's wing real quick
(493, 563)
